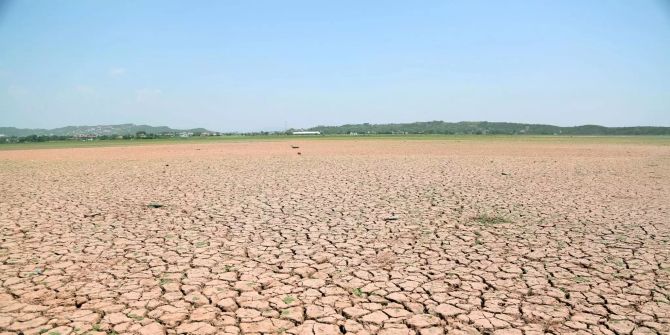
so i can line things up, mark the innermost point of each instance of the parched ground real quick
(356, 237)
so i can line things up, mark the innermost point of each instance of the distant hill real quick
(484, 127)
(431, 127)
(119, 129)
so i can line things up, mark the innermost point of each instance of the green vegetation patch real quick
(288, 299)
(490, 219)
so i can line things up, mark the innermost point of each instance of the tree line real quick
(480, 128)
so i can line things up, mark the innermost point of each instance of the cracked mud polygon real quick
(357, 237)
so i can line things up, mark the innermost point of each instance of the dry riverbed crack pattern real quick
(349, 237)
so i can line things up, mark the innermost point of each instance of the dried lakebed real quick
(356, 237)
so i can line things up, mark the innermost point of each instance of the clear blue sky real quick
(258, 65)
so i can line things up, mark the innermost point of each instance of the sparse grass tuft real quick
(135, 317)
(357, 292)
(288, 299)
(488, 219)
(580, 279)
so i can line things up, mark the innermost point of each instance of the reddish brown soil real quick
(362, 237)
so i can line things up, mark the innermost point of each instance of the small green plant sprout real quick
(285, 312)
(53, 333)
(135, 317)
(162, 281)
(357, 292)
(486, 219)
(288, 299)
(227, 268)
(580, 279)
(281, 330)
(201, 244)
(42, 331)
(619, 263)
(154, 205)
(96, 327)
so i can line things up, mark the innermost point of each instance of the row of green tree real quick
(140, 135)
(49, 138)
(441, 127)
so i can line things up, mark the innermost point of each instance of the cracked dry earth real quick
(350, 237)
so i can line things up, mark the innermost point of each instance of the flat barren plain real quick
(347, 237)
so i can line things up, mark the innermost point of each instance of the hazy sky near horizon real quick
(264, 65)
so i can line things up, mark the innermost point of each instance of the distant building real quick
(84, 137)
(306, 133)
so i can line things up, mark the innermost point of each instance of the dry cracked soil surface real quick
(350, 237)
